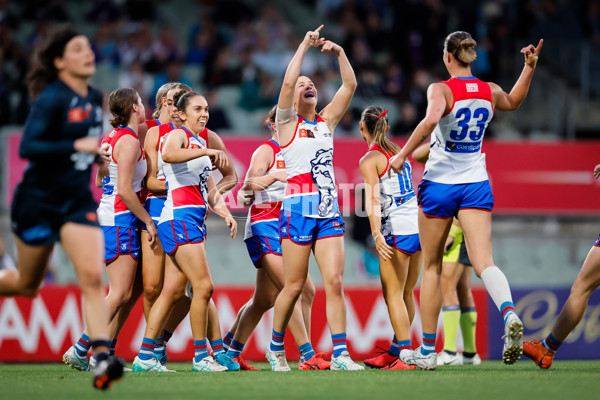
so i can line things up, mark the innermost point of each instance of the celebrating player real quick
(53, 201)
(120, 210)
(455, 184)
(266, 177)
(391, 205)
(542, 353)
(310, 217)
(187, 168)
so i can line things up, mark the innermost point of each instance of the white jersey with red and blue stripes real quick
(399, 209)
(187, 186)
(162, 131)
(455, 155)
(112, 211)
(311, 189)
(263, 216)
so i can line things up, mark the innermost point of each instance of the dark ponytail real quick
(376, 122)
(462, 46)
(120, 104)
(182, 99)
(42, 71)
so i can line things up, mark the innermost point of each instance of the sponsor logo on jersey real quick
(306, 133)
(456, 147)
(280, 164)
(472, 87)
(77, 115)
(337, 225)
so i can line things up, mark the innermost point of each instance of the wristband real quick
(376, 236)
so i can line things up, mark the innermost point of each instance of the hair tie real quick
(382, 114)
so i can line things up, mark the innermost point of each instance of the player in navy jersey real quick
(588, 280)
(53, 202)
(455, 184)
(310, 217)
(391, 205)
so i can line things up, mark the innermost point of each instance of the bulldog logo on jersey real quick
(322, 175)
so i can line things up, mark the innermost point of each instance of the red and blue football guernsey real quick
(112, 210)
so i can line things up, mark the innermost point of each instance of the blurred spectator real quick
(407, 122)
(102, 11)
(165, 49)
(224, 68)
(104, 42)
(348, 125)
(259, 90)
(46, 10)
(218, 116)
(135, 77)
(171, 74)
(394, 79)
(136, 44)
(200, 48)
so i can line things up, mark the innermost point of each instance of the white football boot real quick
(513, 339)
(277, 361)
(343, 362)
(73, 360)
(208, 364)
(148, 365)
(445, 358)
(415, 357)
(475, 360)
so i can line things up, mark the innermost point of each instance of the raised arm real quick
(257, 177)
(335, 110)
(436, 106)
(511, 101)
(226, 168)
(368, 169)
(286, 96)
(150, 148)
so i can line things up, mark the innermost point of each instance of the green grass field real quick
(489, 381)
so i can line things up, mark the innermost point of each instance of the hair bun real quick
(467, 43)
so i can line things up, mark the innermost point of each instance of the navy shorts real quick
(37, 217)
(119, 241)
(306, 230)
(407, 244)
(443, 200)
(258, 246)
(175, 233)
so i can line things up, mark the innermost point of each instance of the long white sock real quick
(497, 286)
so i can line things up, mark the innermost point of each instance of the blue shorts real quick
(443, 200)
(119, 241)
(408, 244)
(597, 244)
(154, 206)
(258, 246)
(305, 230)
(175, 233)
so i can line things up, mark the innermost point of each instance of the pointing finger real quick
(539, 46)
(319, 28)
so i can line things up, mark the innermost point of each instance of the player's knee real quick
(334, 285)
(152, 290)
(203, 289)
(308, 292)
(264, 303)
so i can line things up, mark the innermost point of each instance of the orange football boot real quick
(541, 355)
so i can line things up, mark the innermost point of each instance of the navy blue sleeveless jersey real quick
(56, 185)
